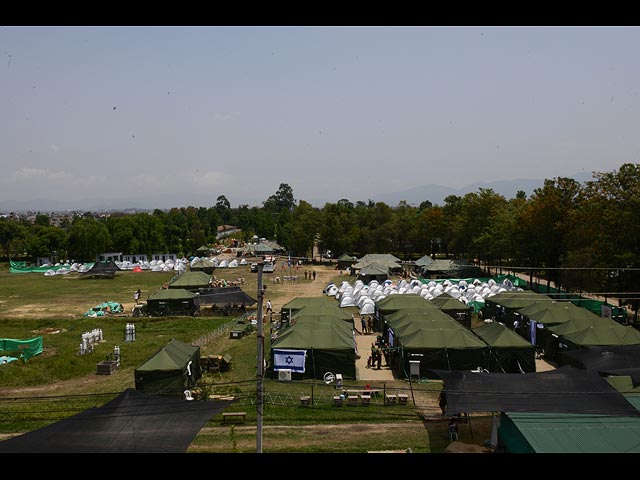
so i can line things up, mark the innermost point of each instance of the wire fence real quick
(220, 331)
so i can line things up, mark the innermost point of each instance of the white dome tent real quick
(368, 308)
(347, 301)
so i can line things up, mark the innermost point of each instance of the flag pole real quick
(260, 363)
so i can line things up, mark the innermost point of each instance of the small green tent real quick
(176, 301)
(173, 369)
(424, 261)
(508, 351)
(345, 261)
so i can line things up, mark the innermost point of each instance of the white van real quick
(268, 267)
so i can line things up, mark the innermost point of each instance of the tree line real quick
(581, 235)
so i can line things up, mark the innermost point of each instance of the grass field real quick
(59, 382)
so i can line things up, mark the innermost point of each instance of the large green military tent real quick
(393, 303)
(173, 369)
(553, 313)
(174, 301)
(405, 321)
(324, 309)
(374, 271)
(191, 281)
(504, 306)
(298, 303)
(554, 334)
(205, 265)
(441, 349)
(508, 351)
(602, 336)
(454, 308)
(321, 346)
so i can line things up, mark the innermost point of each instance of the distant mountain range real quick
(437, 193)
(413, 196)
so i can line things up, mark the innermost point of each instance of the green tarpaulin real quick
(27, 348)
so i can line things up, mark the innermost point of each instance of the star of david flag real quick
(289, 360)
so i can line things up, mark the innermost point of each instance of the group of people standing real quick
(375, 359)
(366, 323)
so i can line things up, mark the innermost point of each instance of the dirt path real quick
(290, 290)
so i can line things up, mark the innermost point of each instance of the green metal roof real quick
(574, 433)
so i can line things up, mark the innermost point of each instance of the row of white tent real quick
(365, 296)
(180, 265)
(66, 268)
(214, 262)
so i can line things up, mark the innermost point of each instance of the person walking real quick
(269, 307)
(363, 322)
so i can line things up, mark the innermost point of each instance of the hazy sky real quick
(175, 116)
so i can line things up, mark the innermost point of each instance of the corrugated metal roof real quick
(578, 433)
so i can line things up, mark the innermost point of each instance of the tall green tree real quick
(88, 238)
(305, 223)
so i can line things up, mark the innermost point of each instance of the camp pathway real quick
(363, 343)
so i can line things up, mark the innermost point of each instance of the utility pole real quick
(260, 362)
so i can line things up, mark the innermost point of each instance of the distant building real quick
(109, 257)
(227, 230)
(164, 257)
(139, 257)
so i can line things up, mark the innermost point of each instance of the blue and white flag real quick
(289, 360)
